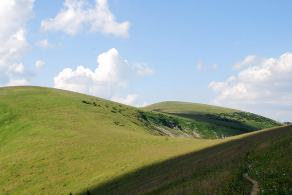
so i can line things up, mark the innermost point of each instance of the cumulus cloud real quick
(248, 61)
(144, 70)
(39, 64)
(15, 69)
(264, 88)
(14, 15)
(111, 75)
(17, 82)
(79, 14)
(17, 75)
(130, 99)
(44, 43)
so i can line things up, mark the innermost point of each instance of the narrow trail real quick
(255, 186)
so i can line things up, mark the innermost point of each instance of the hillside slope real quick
(56, 142)
(214, 121)
(265, 156)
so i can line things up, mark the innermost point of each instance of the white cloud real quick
(206, 67)
(111, 75)
(79, 14)
(130, 99)
(144, 70)
(17, 82)
(264, 88)
(39, 63)
(247, 61)
(44, 43)
(200, 66)
(15, 69)
(13, 17)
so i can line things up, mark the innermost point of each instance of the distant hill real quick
(213, 121)
(287, 123)
(56, 142)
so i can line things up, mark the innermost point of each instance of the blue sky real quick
(230, 53)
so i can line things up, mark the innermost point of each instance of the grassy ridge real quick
(52, 142)
(214, 121)
(173, 106)
(57, 142)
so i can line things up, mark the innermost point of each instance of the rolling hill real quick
(59, 142)
(214, 121)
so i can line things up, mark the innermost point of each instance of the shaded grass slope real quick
(265, 156)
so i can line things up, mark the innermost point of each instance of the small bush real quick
(85, 102)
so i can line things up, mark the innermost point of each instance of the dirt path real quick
(255, 186)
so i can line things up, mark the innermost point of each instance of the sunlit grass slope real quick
(54, 141)
(214, 121)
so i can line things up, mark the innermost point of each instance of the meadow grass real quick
(56, 142)
(52, 142)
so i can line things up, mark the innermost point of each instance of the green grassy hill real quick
(213, 121)
(56, 142)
